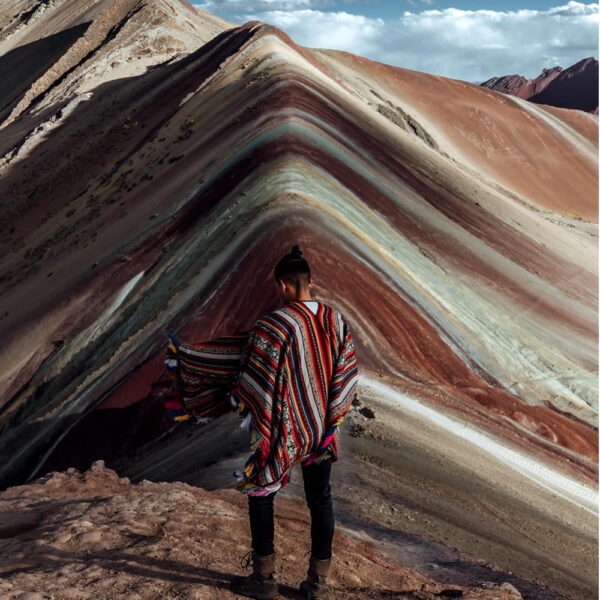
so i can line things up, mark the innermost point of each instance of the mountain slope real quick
(42, 59)
(456, 228)
(256, 136)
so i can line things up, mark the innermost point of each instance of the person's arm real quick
(255, 384)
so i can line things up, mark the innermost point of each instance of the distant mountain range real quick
(575, 87)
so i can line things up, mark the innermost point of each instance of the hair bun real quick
(293, 262)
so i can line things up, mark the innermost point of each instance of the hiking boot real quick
(314, 587)
(262, 584)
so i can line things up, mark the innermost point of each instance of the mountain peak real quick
(154, 165)
(574, 87)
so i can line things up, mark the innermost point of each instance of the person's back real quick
(297, 379)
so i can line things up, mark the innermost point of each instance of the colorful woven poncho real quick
(203, 374)
(294, 372)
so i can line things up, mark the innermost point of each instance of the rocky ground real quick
(73, 535)
(447, 503)
(418, 515)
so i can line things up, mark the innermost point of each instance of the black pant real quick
(318, 498)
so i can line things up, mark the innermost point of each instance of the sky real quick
(463, 39)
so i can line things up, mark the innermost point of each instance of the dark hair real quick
(293, 269)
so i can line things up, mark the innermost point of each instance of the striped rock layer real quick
(453, 226)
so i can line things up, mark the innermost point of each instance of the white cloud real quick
(574, 8)
(339, 30)
(464, 44)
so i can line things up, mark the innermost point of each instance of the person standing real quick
(295, 382)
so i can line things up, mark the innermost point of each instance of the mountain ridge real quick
(462, 256)
(575, 87)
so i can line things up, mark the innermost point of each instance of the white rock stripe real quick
(549, 478)
(578, 141)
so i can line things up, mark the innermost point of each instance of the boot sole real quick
(307, 595)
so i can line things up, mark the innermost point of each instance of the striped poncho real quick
(203, 375)
(294, 372)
